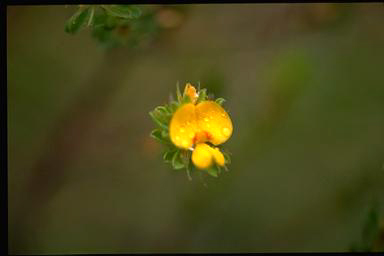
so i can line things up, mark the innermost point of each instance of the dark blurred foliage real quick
(125, 25)
(371, 238)
(304, 89)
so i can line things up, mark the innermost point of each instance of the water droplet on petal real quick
(206, 119)
(223, 115)
(177, 138)
(191, 135)
(226, 131)
(184, 143)
(182, 130)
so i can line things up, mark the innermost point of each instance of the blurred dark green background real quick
(304, 85)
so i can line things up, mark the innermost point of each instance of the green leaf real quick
(177, 162)
(218, 169)
(169, 109)
(123, 11)
(185, 99)
(227, 157)
(178, 93)
(370, 228)
(370, 232)
(162, 110)
(135, 11)
(165, 134)
(158, 120)
(161, 135)
(162, 115)
(156, 134)
(212, 171)
(168, 155)
(220, 101)
(77, 21)
(173, 106)
(202, 95)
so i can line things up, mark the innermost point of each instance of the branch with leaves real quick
(116, 25)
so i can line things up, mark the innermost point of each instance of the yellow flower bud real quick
(191, 92)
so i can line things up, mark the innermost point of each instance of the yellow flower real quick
(194, 124)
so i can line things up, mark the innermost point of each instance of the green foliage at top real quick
(114, 25)
(176, 157)
(123, 11)
(78, 20)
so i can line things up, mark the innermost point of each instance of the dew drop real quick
(206, 119)
(223, 115)
(226, 131)
(191, 135)
(177, 138)
(184, 143)
(182, 130)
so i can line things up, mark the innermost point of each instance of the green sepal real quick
(178, 93)
(186, 99)
(173, 105)
(220, 101)
(159, 135)
(227, 157)
(159, 119)
(163, 113)
(213, 171)
(77, 21)
(165, 134)
(168, 155)
(202, 95)
(177, 162)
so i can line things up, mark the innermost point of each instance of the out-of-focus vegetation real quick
(124, 25)
(305, 91)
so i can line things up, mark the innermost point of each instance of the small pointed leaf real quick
(220, 101)
(177, 162)
(123, 11)
(77, 21)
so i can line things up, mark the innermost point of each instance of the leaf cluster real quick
(114, 25)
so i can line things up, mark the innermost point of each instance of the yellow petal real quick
(183, 126)
(202, 156)
(218, 156)
(214, 120)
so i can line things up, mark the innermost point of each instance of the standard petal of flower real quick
(202, 156)
(183, 126)
(212, 118)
